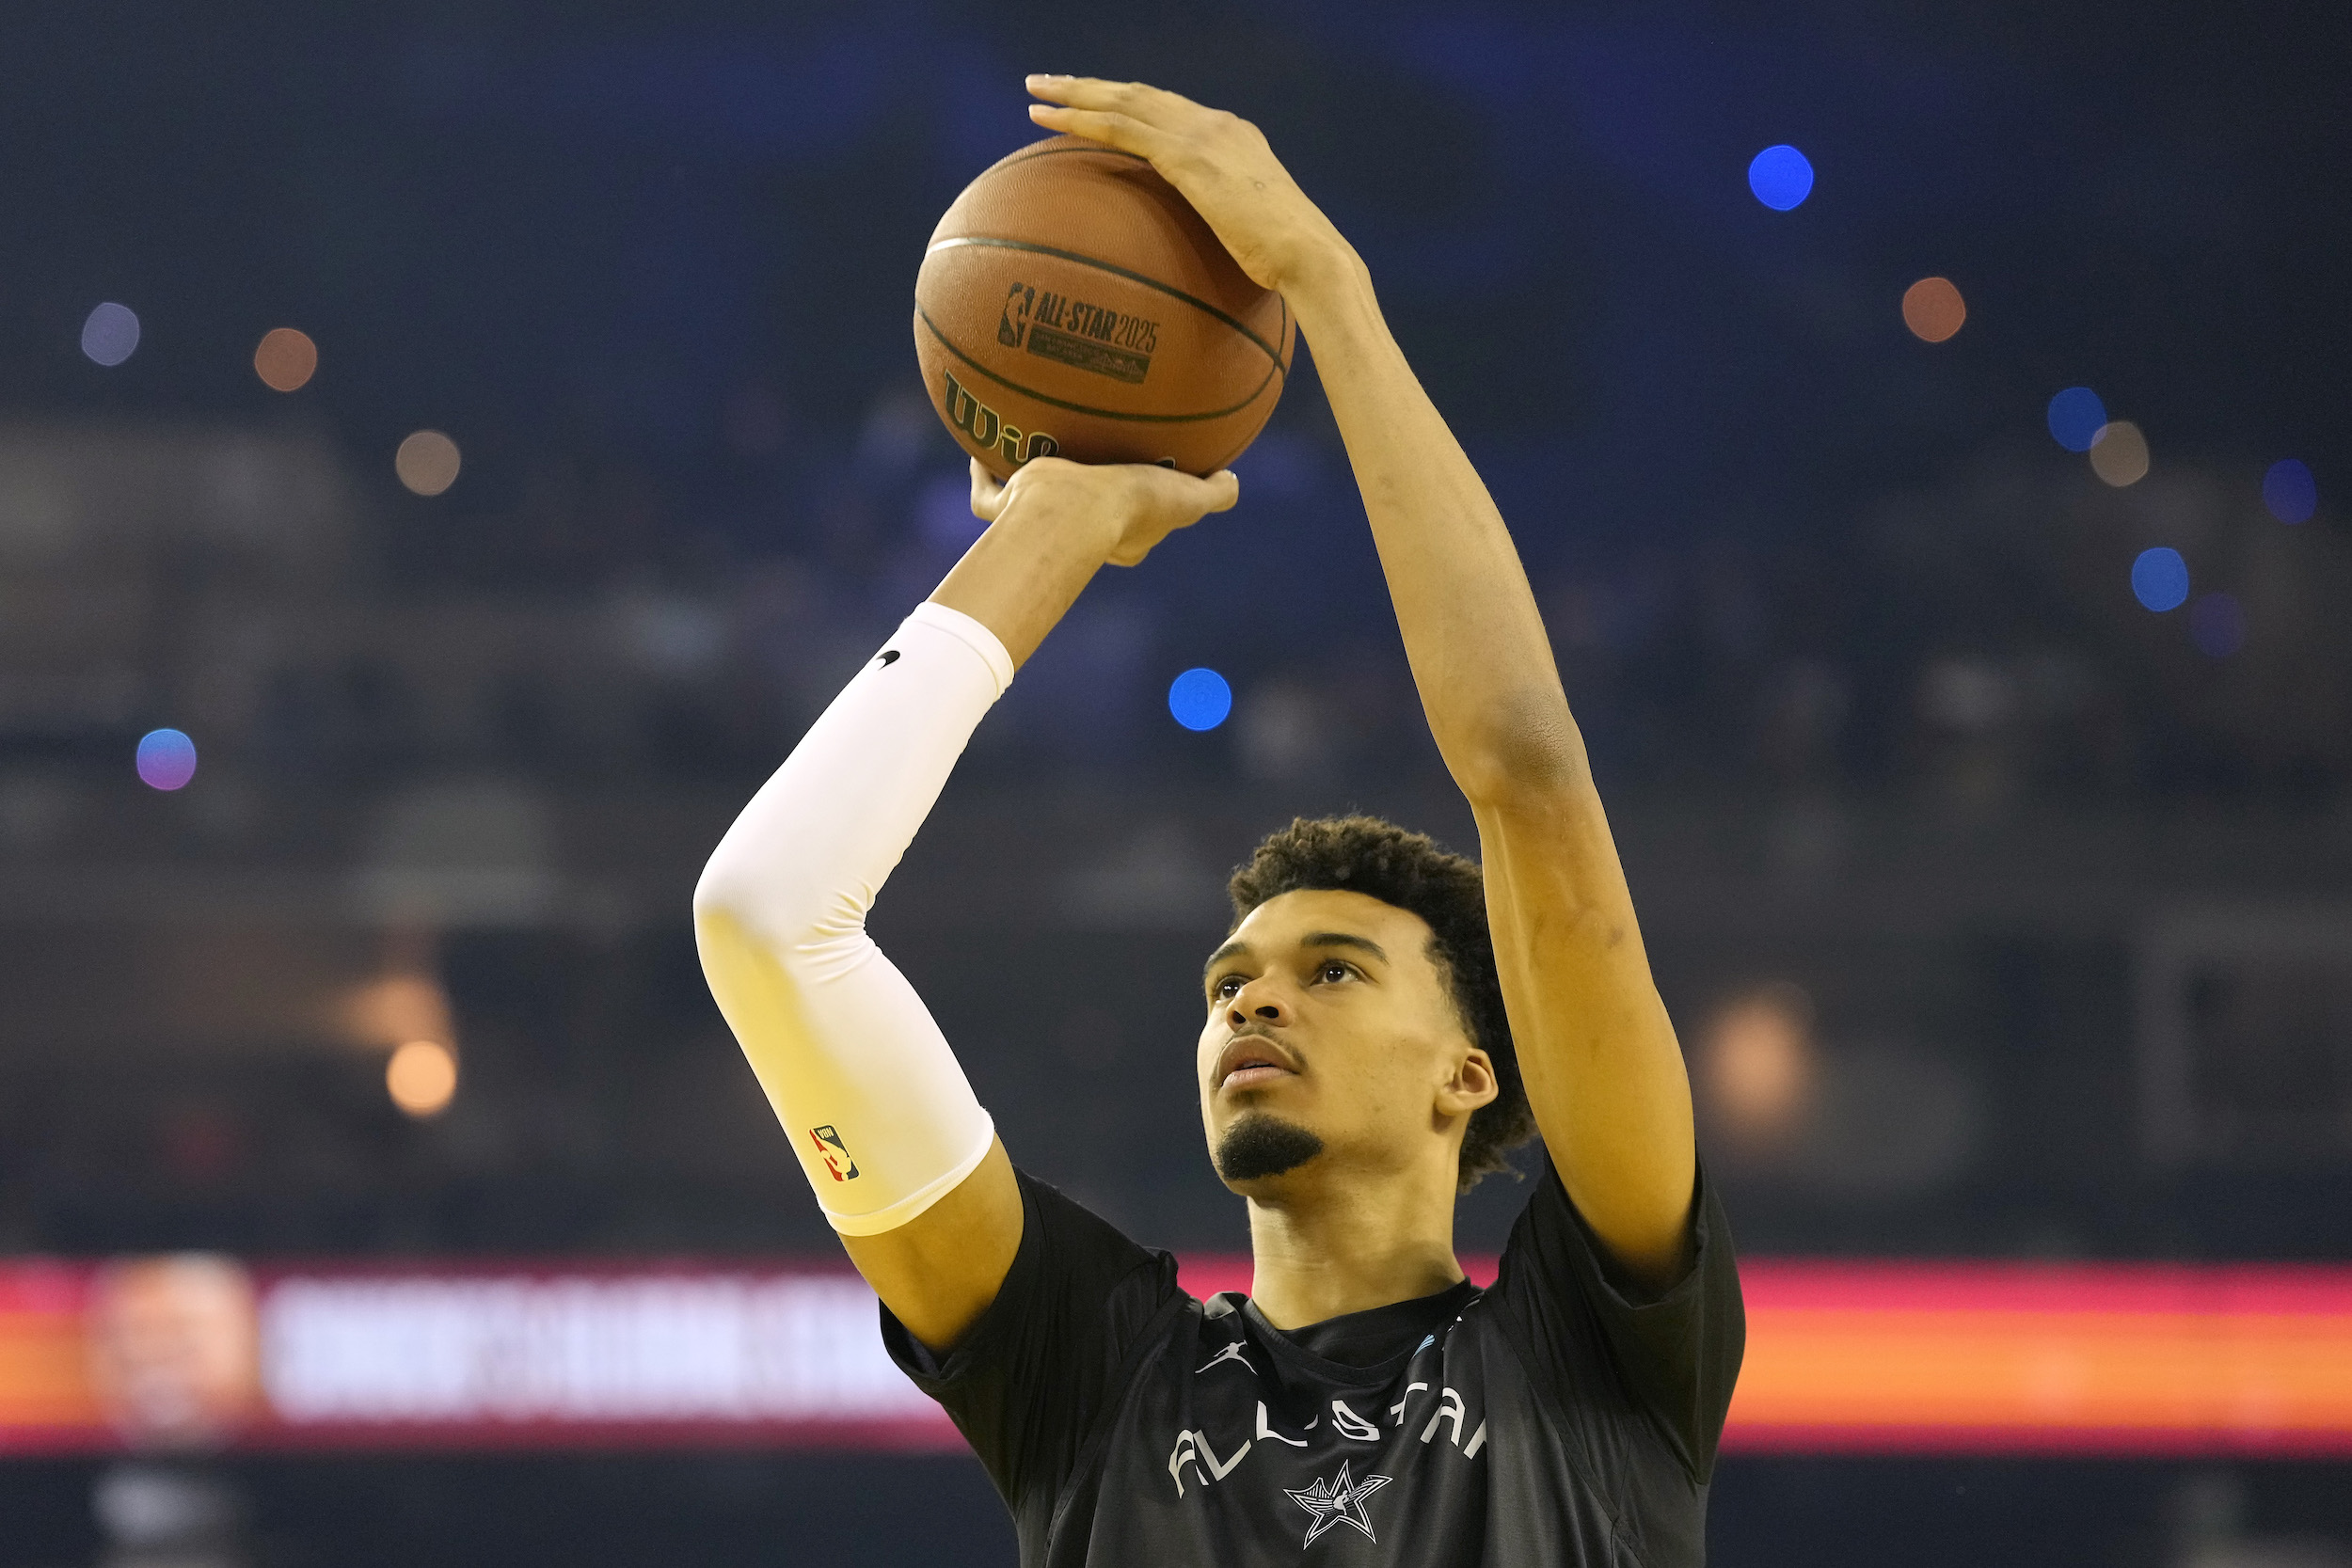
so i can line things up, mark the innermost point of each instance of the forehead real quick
(1282, 922)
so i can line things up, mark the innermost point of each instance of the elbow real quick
(788, 905)
(1529, 750)
(734, 933)
(730, 893)
(719, 890)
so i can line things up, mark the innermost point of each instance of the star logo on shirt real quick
(1339, 1500)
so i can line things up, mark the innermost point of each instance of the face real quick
(174, 1349)
(1332, 1045)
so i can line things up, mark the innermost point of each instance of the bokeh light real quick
(1780, 177)
(286, 358)
(422, 1077)
(2217, 624)
(1200, 699)
(397, 1008)
(2290, 492)
(167, 759)
(1757, 1067)
(2161, 579)
(2119, 454)
(427, 462)
(2076, 417)
(1934, 309)
(110, 334)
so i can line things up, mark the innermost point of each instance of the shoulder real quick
(1072, 1242)
(1080, 1284)
(1595, 1340)
(1552, 1247)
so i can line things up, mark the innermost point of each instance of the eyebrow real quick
(1340, 938)
(1313, 939)
(1230, 950)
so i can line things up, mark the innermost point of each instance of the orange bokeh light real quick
(286, 359)
(422, 1077)
(1756, 1067)
(1934, 309)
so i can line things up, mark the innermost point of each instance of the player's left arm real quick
(1596, 1048)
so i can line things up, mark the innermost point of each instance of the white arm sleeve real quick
(883, 1117)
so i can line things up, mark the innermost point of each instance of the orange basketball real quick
(1073, 304)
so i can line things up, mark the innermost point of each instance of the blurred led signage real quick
(2044, 1358)
(202, 1351)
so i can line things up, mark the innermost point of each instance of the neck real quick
(1325, 1248)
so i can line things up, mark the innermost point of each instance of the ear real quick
(1472, 1084)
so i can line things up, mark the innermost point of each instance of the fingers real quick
(1135, 99)
(1191, 497)
(1112, 129)
(1224, 490)
(1149, 503)
(1130, 116)
(987, 496)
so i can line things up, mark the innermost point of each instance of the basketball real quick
(1073, 304)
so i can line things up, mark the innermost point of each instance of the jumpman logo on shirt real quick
(1230, 1353)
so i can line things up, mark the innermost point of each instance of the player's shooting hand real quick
(1222, 165)
(1132, 506)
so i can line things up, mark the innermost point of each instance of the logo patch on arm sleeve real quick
(835, 1153)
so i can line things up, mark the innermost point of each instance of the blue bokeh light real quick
(2076, 417)
(167, 759)
(110, 334)
(2217, 624)
(1200, 699)
(2161, 579)
(2290, 491)
(1780, 177)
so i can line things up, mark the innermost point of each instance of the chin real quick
(1258, 1146)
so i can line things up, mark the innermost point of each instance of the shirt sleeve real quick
(1673, 1354)
(1030, 1379)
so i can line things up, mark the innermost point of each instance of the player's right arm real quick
(905, 1163)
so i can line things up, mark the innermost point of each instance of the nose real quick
(1258, 1002)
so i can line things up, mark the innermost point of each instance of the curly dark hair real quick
(1367, 855)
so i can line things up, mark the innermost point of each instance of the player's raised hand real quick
(1134, 505)
(1054, 524)
(1221, 161)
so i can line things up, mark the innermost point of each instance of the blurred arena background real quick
(448, 453)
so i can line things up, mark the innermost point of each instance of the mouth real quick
(1251, 1061)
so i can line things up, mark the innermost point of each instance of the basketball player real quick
(1379, 1026)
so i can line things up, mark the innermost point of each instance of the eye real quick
(1226, 987)
(1331, 971)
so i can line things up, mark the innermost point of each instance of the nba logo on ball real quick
(835, 1153)
(1071, 290)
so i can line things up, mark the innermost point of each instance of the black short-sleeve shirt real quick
(1557, 1417)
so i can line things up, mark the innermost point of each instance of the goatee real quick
(1260, 1145)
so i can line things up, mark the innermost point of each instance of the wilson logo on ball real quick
(979, 422)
